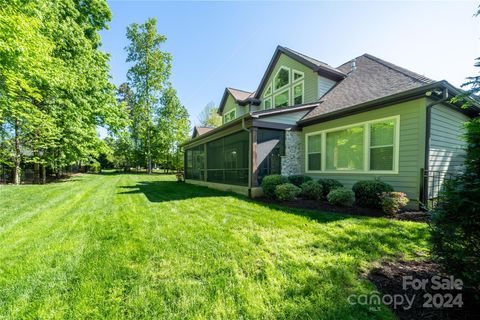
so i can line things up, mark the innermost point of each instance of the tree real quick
(209, 116)
(456, 220)
(54, 82)
(147, 77)
(172, 129)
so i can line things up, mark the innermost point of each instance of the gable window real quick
(297, 75)
(267, 103)
(229, 116)
(298, 93)
(314, 152)
(368, 147)
(282, 78)
(282, 99)
(268, 91)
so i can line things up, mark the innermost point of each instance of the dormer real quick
(236, 103)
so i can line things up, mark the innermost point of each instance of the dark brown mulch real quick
(389, 281)
(417, 216)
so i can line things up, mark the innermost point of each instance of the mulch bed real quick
(417, 216)
(389, 281)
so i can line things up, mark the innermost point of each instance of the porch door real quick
(270, 149)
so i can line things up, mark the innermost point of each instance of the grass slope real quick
(137, 246)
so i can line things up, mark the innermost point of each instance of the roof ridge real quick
(406, 72)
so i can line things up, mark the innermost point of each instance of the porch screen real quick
(195, 163)
(227, 159)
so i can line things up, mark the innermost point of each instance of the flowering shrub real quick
(391, 202)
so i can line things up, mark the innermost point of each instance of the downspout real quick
(428, 125)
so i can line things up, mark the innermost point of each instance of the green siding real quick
(310, 78)
(447, 147)
(230, 104)
(411, 149)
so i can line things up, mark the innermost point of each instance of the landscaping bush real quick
(341, 197)
(328, 185)
(456, 219)
(287, 191)
(298, 179)
(391, 202)
(269, 183)
(367, 192)
(311, 190)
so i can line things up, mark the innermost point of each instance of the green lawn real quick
(137, 246)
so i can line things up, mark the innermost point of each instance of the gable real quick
(309, 80)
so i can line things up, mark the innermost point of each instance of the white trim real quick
(366, 149)
(279, 93)
(234, 116)
(303, 91)
(300, 73)
(275, 76)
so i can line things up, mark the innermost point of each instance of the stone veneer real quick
(292, 162)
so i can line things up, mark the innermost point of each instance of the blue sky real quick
(219, 44)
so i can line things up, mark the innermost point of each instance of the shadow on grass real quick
(164, 191)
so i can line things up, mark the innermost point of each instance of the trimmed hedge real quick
(328, 185)
(298, 179)
(311, 190)
(368, 192)
(341, 197)
(269, 183)
(287, 192)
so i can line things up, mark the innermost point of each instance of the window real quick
(314, 152)
(298, 93)
(267, 103)
(345, 149)
(382, 145)
(297, 75)
(229, 116)
(282, 78)
(370, 147)
(268, 91)
(282, 99)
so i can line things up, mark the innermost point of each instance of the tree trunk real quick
(149, 153)
(44, 174)
(16, 170)
(36, 169)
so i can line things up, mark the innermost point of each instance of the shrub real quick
(287, 191)
(311, 190)
(298, 179)
(367, 193)
(328, 185)
(341, 197)
(269, 183)
(392, 202)
(455, 221)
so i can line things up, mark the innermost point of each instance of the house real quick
(365, 119)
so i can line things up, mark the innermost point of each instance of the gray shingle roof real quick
(372, 79)
(240, 95)
(198, 131)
